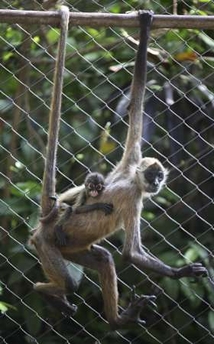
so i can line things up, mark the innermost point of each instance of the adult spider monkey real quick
(133, 179)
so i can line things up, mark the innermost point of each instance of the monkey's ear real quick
(140, 175)
(166, 172)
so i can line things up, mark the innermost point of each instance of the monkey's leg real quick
(60, 280)
(101, 260)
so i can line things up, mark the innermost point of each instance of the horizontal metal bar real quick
(106, 19)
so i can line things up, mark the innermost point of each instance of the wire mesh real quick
(177, 225)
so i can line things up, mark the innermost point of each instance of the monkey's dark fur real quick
(133, 179)
(94, 185)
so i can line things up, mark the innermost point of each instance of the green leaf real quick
(191, 255)
(148, 215)
(4, 307)
(171, 287)
(14, 36)
(36, 39)
(211, 320)
(202, 253)
(194, 292)
(93, 32)
(7, 56)
(53, 35)
(206, 39)
(28, 187)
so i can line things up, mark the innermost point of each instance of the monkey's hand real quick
(191, 270)
(108, 208)
(135, 307)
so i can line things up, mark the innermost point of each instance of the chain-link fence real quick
(177, 225)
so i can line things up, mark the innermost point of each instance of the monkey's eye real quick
(91, 186)
(99, 187)
(160, 175)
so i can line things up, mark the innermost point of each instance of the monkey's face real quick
(152, 175)
(94, 184)
(94, 189)
(154, 178)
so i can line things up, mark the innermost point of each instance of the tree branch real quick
(92, 19)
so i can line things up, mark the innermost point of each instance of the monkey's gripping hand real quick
(191, 270)
(107, 208)
(135, 307)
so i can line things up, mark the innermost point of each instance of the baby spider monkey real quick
(74, 202)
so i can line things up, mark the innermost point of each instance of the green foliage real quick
(4, 307)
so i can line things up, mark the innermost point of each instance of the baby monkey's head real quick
(94, 184)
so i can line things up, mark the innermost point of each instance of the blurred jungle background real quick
(177, 225)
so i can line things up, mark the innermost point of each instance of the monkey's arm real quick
(107, 208)
(132, 153)
(71, 195)
(134, 253)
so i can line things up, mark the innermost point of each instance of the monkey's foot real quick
(191, 270)
(61, 303)
(135, 307)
